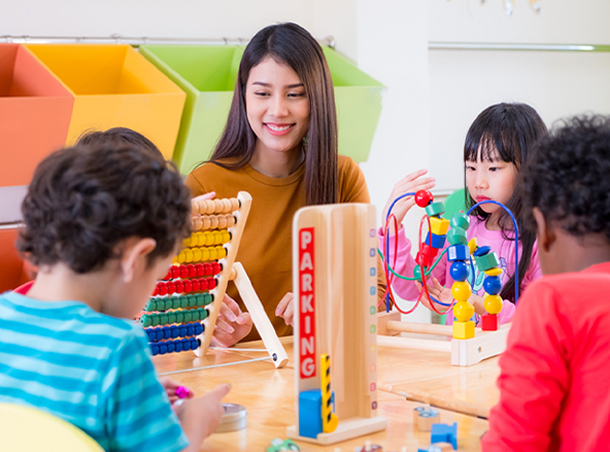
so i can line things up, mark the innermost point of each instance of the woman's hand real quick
(232, 325)
(205, 196)
(285, 309)
(411, 183)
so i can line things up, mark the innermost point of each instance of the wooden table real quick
(268, 395)
(429, 377)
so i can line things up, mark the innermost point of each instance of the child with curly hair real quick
(558, 353)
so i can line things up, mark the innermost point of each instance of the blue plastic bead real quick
(162, 349)
(178, 346)
(175, 332)
(459, 271)
(154, 348)
(159, 334)
(189, 330)
(482, 251)
(151, 334)
(171, 347)
(198, 328)
(167, 334)
(182, 331)
(458, 253)
(492, 285)
(194, 344)
(186, 344)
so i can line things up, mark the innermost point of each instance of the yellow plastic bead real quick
(463, 330)
(461, 290)
(439, 226)
(197, 254)
(463, 311)
(472, 245)
(188, 255)
(181, 257)
(496, 271)
(186, 242)
(493, 304)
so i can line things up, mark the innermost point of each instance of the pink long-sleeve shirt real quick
(505, 249)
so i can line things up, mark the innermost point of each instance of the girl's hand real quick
(411, 183)
(436, 291)
(478, 303)
(232, 325)
(170, 387)
(285, 309)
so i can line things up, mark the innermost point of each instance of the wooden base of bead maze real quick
(466, 352)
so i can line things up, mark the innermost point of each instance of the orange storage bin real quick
(35, 111)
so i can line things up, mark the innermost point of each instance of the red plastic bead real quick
(175, 271)
(169, 275)
(184, 271)
(423, 198)
(179, 287)
(200, 269)
(217, 268)
(203, 284)
(171, 287)
(195, 285)
(192, 271)
(162, 288)
(188, 286)
(211, 283)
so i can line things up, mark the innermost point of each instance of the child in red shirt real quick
(553, 393)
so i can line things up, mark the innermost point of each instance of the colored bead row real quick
(215, 206)
(193, 270)
(199, 222)
(487, 262)
(174, 331)
(184, 286)
(208, 238)
(201, 254)
(174, 346)
(181, 302)
(168, 318)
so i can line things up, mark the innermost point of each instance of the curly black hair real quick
(84, 200)
(118, 136)
(568, 178)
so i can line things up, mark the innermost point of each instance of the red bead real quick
(208, 269)
(195, 285)
(169, 275)
(162, 288)
(200, 269)
(188, 286)
(423, 198)
(171, 287)
(211, 283)
(156, 291)
(203, 284)
(184, 271)
(179, 287)
(175, 271)
(217, 268)
(192, 270)
(490, 322)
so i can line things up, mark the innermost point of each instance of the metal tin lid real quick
(234, 418)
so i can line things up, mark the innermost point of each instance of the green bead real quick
(163, 319)
(204, 314)
(171, 318)
(457, 236)
(434, 209)
(460, 220)
(154, 319)
(179, 317)
(175, 302)
(184, 302)
(187, 317)
(145, 320)
(168, 304)
(417, 272)
(207, 299)
(487, 261)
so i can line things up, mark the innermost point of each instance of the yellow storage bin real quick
(114, 86)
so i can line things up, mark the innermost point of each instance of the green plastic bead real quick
(163, 319)
(145, 320)
(207, 299)
(171, 318)
(168, 304)
(487, 261)
(204, 314)
(154, 319)
(187, 317)
(460, 220)
(184, 302)
(417, 272)
(434, 209)
(179, 317)
(457, 236)
(176, 302)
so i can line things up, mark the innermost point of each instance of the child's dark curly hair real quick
(84, 200)
(568, 178)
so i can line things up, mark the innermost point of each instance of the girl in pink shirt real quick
(496, 146)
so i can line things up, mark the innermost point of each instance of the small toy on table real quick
(444, 433)
(182, 392)
(278, 445)
(424, 417)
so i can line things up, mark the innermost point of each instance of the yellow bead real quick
(461, 290)
(463, 330)
(439, 226)
(472, 245)
(188, 255)
(496, 271)
(493, 304)
(463, 311)
(196, 254)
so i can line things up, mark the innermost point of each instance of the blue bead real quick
(151, 334)
(175, 331)
(198, 328)
(482, 251)
(459, 271)
(189, 330)
(458, 253)
(178, 346)
(492, 285)
(171, 347)
(167, 333)
(186, 344)
(182, 331)
(194, 344)
(154, 348)
(159, 334)
(162, 349)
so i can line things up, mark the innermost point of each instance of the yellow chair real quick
(24, 429)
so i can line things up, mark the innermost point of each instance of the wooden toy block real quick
(490, 322)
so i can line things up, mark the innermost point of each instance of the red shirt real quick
(555, 371)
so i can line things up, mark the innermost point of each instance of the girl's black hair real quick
(511, 130)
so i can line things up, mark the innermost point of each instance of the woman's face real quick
(277, 107)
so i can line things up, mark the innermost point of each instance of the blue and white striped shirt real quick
(88, 368)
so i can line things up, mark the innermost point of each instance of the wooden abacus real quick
(195, 286)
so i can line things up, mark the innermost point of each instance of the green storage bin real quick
(208, 74)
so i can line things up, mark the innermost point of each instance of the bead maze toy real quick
(335, 293)
(465, 348)
(193, 289)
